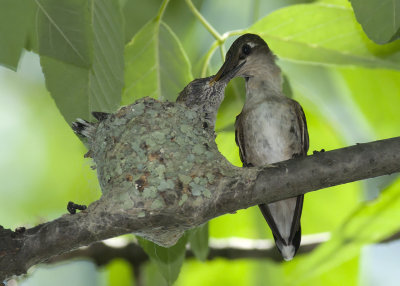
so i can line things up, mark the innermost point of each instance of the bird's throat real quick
(258, 88)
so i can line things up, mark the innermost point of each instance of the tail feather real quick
(287, 251)
(283, 217)
(83, 128)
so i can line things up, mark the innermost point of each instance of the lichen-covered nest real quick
(153, 156)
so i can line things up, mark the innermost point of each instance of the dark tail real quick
(83, 128)
(287, 242)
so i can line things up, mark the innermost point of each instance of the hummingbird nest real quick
(158, 157)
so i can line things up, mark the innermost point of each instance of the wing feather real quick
(239, 138)
(301, 119)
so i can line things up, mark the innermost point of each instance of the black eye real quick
(246, 49)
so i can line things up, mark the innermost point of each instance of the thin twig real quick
(162, 9)
(205, 23)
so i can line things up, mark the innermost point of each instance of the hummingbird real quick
(270, 128)
(203, 93)
(207, 94)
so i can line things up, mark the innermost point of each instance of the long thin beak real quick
(227, 69)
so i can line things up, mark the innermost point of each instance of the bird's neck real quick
(264, 84)
(263, 78)
(211, 100)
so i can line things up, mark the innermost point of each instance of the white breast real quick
(271, 132)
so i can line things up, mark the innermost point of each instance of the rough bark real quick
(161, 174)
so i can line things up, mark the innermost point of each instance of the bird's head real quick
(248, 56)
(200, 92)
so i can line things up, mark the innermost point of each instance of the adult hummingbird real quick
(270, 128)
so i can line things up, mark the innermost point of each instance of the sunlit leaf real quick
(119, 273)
(227, 146)
(380, 19)
(169, 260)
(155, 64)
(198, 239)
(82, 55)
(240, 272)
(344, 3)
(325, 34)
(376, 93)
(347, 271)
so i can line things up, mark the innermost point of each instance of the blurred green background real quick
(348, 86)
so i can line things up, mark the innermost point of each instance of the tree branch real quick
(161, 174)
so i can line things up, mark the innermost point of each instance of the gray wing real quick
(301, 119)
(239, 138)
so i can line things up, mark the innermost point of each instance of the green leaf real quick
(119, 273)
(344, 3)
(68, 85)
(155, 64)
(15, 18)
(227, 272)
(376, 94)
(371, 222)
(31, 43)
(229, 109)
(231, 106)
(348, 271)
(169, 260)
(83, 72)
(380, 19)
(198, 239)
(324, 34)
(286, 87)
(135, 18)
(64, 30)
